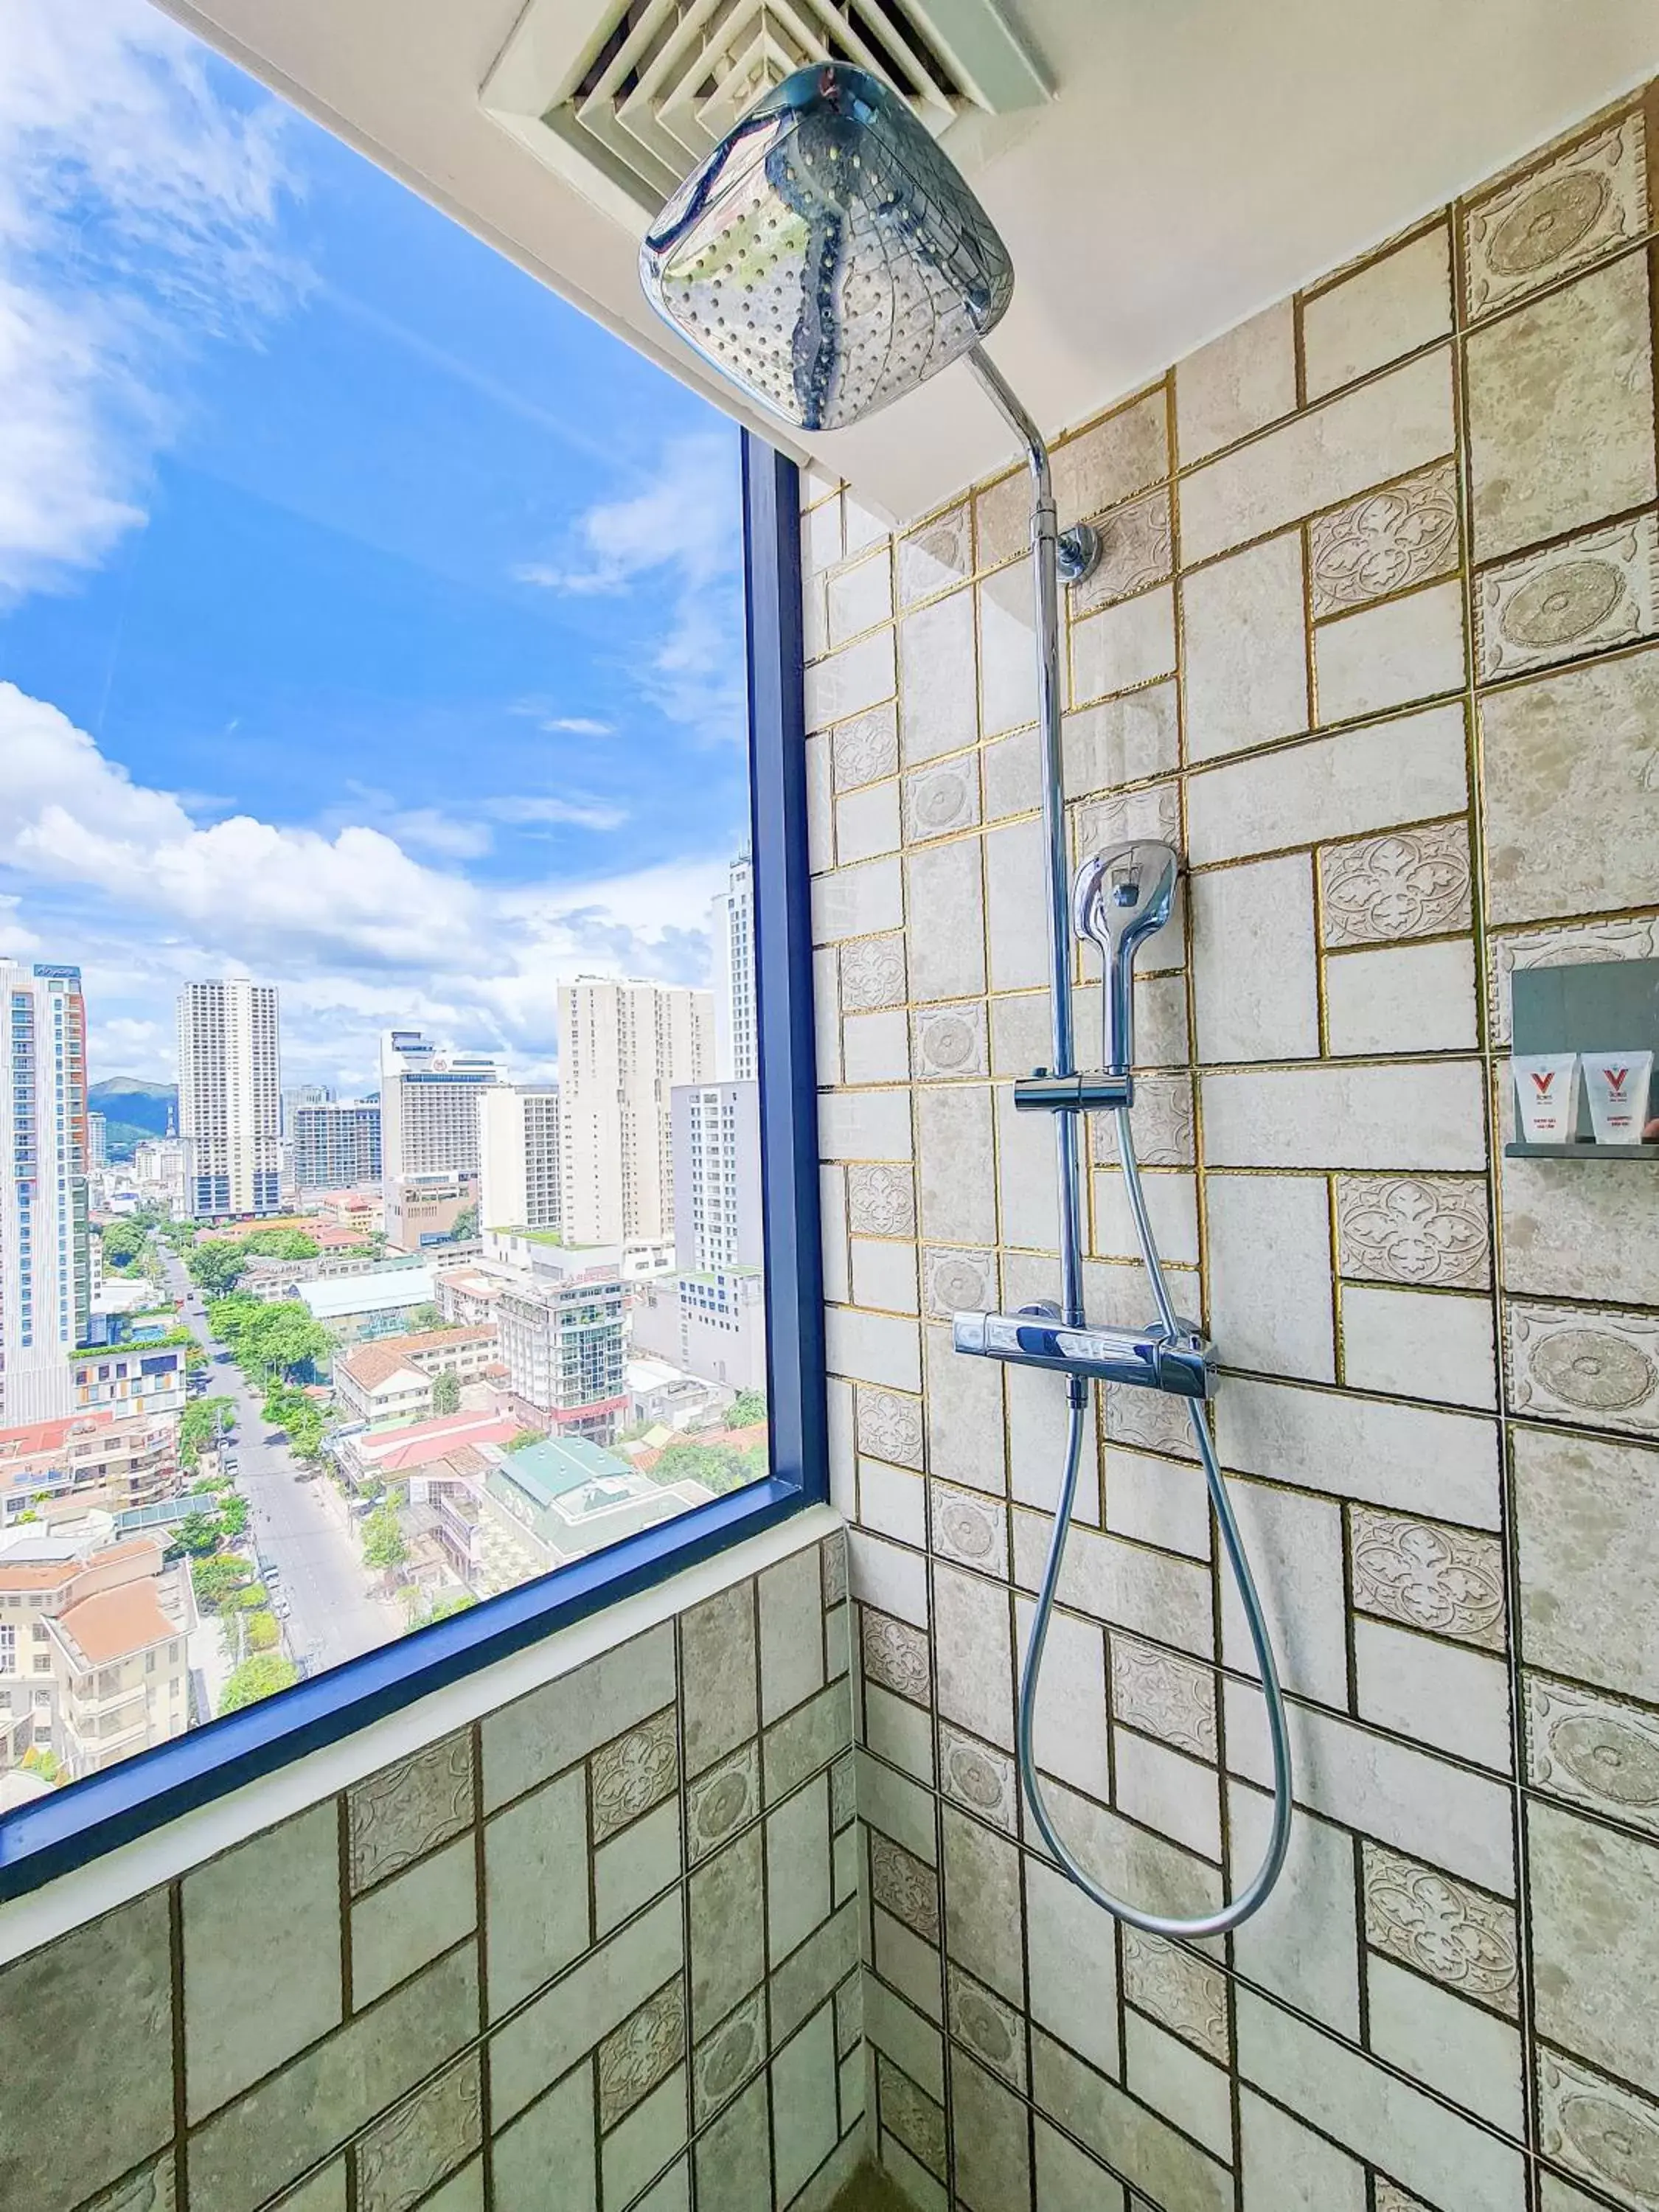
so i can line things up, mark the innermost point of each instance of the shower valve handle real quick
(1181, 1365)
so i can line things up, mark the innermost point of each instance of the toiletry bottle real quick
(1546, 1096)
(1616, 1084)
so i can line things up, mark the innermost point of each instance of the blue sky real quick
(369, 620)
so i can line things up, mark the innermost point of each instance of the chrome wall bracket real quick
(1078, 555)
(1042, 1093)
(1181, 1365)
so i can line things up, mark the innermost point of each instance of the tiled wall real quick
(1372, 641)
(598, 1950)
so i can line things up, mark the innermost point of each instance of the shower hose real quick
(1247, 1900)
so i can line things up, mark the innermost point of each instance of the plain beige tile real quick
(1113, 459)
(937, 667)
(536, 1912)
(1269, 1243)
(1415, 1458)
(1347, 1115)
(859, 596)
(1073, 1965)
(868, 822)
(1121, 740)
(1595, 1937)
(876, 1047)
(1008, 650)
(1400, 303)
(1287, 2168)
(1560, 401)
(1014, 903)
(1256, 982)
(1127, 645)
(791, 1602)
(1402, 998)
(946, 951)
(1160, 2162)
(412, 1918)
(1590, 1573)
(973, 1655)
(555, 2136)
(981, 1904)
(804, 2107)
(797, 1895)
(1420, 1344)
(1391, 654)
(872, 1347)
(847, 682)
(1238, 383)
(1295, 1544)
(858, 901)
(1434, 1693)
(1190, 2092)
(1365, 780)
(1244, 641)
(269, 1909)
(717, 1664)
(1382, 429)
(1568, 776)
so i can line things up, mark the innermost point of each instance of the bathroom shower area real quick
(1204, 1757)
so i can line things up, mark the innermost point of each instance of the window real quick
(392, 656)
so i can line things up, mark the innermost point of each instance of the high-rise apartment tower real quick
(44, 1269)
(623, 1045)
(230, 1097)
(732, 925)
(520, 1177)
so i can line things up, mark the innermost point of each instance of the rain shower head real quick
(827, 257)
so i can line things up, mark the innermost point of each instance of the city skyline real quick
(357, 707)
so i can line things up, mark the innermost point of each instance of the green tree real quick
(281, 1244)
(198, 1533)
(446, 1392)
(261, 1676)
(383, 1545)
(521, 1439)
(216, 1580)
(748, 1408)
(425, 1317)
(262, 1632)
(466, 1225)
(37, 1760)
(216, 1265)
(716, 1467)
(423, 1612)
(202, 1421)
(124, 1242)
(233, 1517)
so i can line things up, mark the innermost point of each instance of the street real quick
(331, 1616)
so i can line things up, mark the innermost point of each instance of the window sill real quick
(67, 1858)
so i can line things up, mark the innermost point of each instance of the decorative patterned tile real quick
(934, 557)
(903, 1885)
(1167, 1697)
(1385, 540)
(718, 1803)
(1426, 1575)
(631, 1775)
(1390, 2198)
(1595, 2128)
(987, 2026)
(1185, 1992)
(835, 1568)
(866, 748)
(844, 1794)
(644, 2051)
(890, 1425)
(1408, 882)
(1567, 1363)
(398, 1815)
(408, 2153)
(1152, 812)
(940, 800)
(1148, 1420)
(1416, 1229)
(1134, 552)
(949, 1041)
(152, 2190)
(1592, 1750)
(881, 1200)
(980, 1776)
(872, 974)
(912, 2115)
(955, 1281)
(896, 1656)
(1162, 1118)
(1587, 202)
(1593, 592)
(724, 2061)
(970, 1528)
(1563, 947)
(1442, 1927)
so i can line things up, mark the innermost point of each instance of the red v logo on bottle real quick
(1617, 1078)
(1543, 1084)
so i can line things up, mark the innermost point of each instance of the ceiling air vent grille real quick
(626, 105)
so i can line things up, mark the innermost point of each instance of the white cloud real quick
(529, 811)
(118, 164)
(580, 725)
(684, 522)
(102, 869)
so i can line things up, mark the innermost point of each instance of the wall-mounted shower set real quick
(827, 257)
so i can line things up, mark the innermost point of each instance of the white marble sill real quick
(76, 1898)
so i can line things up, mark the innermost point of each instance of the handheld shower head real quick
(827, 257)
(1118, 900)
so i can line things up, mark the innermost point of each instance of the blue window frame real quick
(74, 1825)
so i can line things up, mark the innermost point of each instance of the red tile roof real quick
(112, 1623)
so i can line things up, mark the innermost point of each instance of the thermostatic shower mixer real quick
(1119, 900)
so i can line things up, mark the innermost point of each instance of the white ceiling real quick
(1202, 158)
